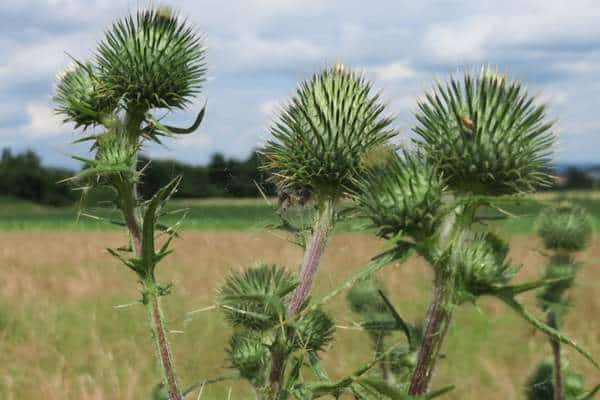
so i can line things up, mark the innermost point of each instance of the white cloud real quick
(42, 123)
(394, 71)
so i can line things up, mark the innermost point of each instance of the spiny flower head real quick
(487, 134)
(565, 228)
(324, 131)
(77, 98)
(313, 331)
(256, 297)
(152, 60)
(248, 355)
(481, 267)
(403, 196)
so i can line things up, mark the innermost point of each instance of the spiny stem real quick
(160, 338)
(128, 198)
(555, 344)
(438, 321)
(312, 256)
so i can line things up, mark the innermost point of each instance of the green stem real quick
(159, 334)
(555, 344)
(151, 294)
(438, 321)
(312, 255)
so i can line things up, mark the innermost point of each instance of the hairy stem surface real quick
(312, 256)
(438, 321)
(162, 343)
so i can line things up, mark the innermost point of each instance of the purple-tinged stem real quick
(312, 255)
(438, 321)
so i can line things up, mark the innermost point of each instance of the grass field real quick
(248, 214)
(61, 336)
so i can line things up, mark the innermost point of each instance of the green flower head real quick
(256, 297)
(403, 196)
(487, 134)
(77, 98)
(152, 60)
(481, 267)
(323, 133)
(565, 228)
(313, 331)
(248, 355)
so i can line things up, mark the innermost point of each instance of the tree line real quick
(23, 176)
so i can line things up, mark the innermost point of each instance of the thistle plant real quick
(480, 139)
(564, 231)
(147, 62)
(319, 141)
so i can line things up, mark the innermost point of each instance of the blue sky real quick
(259, 49)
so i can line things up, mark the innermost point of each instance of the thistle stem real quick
(151, 295)
(555, 344)
(312, 256)
(160, 337)
(438, 321)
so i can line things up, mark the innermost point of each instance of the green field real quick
(61, 334)
(248, 214)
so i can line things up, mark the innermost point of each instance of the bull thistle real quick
(149, 61)
(564, 231)
(478, 138)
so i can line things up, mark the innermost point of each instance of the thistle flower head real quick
(402, 197)
(77, 98)
(152, 60)
(487, 134)
(481, 267)
(321, 136)
(313, 331)
(256, 297)
(565, 228)
(248, 355)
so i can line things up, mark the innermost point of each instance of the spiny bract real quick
(565, 228)
(153, 60)
(256, 297)
(322, 134)
(402, 197)
(487, 134)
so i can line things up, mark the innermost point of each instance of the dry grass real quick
(60, 336)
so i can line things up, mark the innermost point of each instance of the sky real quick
(258, 51)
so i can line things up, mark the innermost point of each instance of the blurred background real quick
(61, 333)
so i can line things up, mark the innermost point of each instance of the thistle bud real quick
(77, 97)
(250, 297)
(565, 228)
(481, 266)
(402, 197)
(248, 355)
(487, 135)
(313, 331)
(152, 60)
(321, 135)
